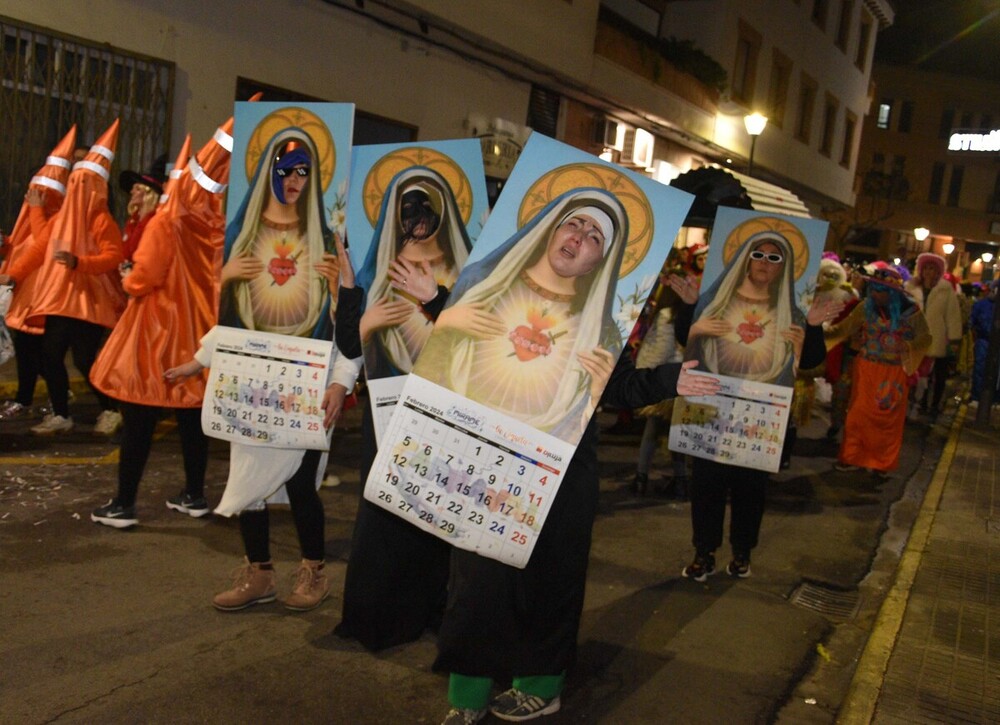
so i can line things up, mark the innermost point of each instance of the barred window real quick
(543, 111)
(51, 81)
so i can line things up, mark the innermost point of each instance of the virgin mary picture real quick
(746, 323)
(419, 224)
(528, 330)
(278, 265)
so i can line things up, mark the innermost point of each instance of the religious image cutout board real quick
(274, 351)
(760, 271)
(496, 404)
(424, 203)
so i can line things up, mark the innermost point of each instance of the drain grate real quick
(833, 603)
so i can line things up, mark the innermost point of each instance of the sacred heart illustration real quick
(282, 268)
(530, 342)
(750, 330)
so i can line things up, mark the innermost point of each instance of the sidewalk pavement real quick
(934, 653)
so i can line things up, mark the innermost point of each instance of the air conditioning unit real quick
(642, 148)
(609, 133)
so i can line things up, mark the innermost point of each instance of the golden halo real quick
(385, 169)
(794, 235)
(630, 196)
(302, 118)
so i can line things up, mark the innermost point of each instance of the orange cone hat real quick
(98, 159)
(50, 179)
(85, 228)
(54, 175)
(179, 165)
(213, 160)
(87, 194)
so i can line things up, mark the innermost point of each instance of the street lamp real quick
(987, 257)
(921, 233)
(755, 123)
(947, 248)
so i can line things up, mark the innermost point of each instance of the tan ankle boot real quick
(251, 585)
(310, 589)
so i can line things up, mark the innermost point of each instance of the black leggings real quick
(28, 354)
(84, 339)
(137, 437)
(746, 487)
(307, 511)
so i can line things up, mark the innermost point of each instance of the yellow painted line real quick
(866, 685)
(107, 459)
(104, 460)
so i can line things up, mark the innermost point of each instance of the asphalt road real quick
(117, 626)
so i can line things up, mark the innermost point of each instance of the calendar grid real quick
(744, 425)
(266, 389)
(461, 483)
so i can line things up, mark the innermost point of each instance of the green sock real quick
(543, 686)
(469, 693)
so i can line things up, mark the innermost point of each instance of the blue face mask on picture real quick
(284, 166)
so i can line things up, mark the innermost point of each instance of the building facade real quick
(929, 161)
(611, 76)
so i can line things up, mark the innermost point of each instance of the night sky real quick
(954, 36)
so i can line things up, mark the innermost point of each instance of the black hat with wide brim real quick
(128, 179)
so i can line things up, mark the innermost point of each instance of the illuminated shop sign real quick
(975, 141)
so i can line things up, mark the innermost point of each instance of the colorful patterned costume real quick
(889, 349)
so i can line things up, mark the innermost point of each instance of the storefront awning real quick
(714, 186)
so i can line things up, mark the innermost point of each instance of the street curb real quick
(869, 676)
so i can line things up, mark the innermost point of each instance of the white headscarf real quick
(497, 276)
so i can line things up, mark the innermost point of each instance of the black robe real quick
(397, 575)
(503, 622)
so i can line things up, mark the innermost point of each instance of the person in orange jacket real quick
(77, 293)
(174, 296)
(44, 197)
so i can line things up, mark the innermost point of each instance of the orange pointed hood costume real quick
(174, 287)
(89, 290)
(31, 221)
(175, 173)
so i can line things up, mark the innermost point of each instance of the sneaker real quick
(739, 567)
(187, 504)
(701, 568)
(310, 589)
(463, 716)
(845, 467)
(251, 585)
(108, 422)
(115, 515)
(515, 706)
(11, 409)
(52, 424)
